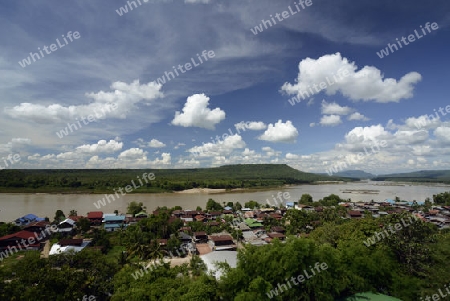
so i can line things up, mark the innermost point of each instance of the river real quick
(14, 205)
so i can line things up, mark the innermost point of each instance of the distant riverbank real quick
(14, 205)
(141, 190)
(201, 190)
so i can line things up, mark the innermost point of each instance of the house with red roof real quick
(15, 239)
(221, 242)
(355, 214)
(95, 217)
(200, 237)
(36, 226)
(273, 235)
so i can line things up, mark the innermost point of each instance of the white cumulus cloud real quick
(250, 125)
(100, 147)
(335, 109)
(443, 134)
(197, 114)
(133, 154)
(333, 73)
(156, 143)
(280, 132)
(357, 116)
(115, 104)
(219, 149)
(330, 120)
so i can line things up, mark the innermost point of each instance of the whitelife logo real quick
(380, 235)
(49, 229)
(411, 38)
(12, 158)
(301, 278)
(128, 189)
(90, 118)
(124, 9)
(280, 17)
(286, 196)
(432, 118)
(355, 159)
(437, 297)
(187, 66)
(35, 56)
(303, 94)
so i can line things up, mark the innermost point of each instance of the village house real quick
(66, 245)
(36, 226)
(354, 214)
(221, 242)
(27, 219)
(112, 222)
(95, 217)
(66, 226)
(11, 240)
(213, 215)
(273, 235)
(200, 237)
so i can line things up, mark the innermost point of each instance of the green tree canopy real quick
(134, 207)
(252, 204)
(213, 205)
(59, 216)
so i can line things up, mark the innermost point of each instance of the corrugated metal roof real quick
(114, 218)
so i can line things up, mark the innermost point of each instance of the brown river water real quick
(14, 205)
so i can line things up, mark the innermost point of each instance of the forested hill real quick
(166, 180)
(360, 174)
(436, 176)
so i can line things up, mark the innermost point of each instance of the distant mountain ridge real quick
(166, 180)
(432, 176)
(360, 174)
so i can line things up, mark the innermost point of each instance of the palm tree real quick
(123, 258)
(155, 251)
(197, 266)
(135, 242)
(73, 213)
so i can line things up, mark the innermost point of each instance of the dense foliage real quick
(442, 199)
(409, 264)
(105, 180)
(423, 176)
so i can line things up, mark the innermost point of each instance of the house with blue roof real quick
(27, 219)
(112, 222)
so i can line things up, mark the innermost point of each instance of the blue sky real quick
(244, 81)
